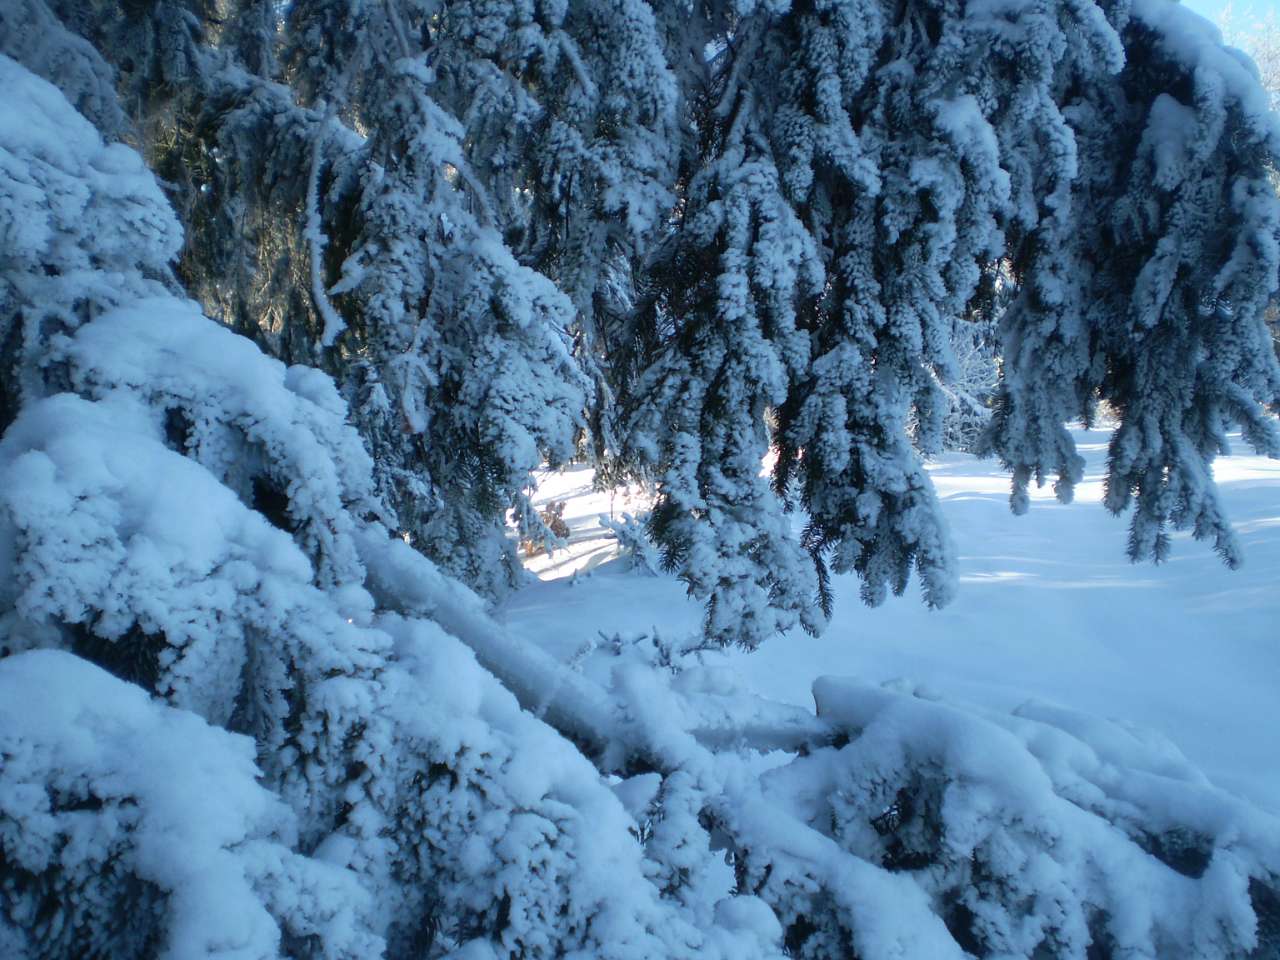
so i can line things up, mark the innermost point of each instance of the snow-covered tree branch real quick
(295, 299)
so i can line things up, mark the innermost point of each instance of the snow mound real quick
(277, 436)
(1040, 830)
(142, 825)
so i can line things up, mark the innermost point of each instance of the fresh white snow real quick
(1049, 609)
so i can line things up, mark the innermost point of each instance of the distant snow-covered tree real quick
(970, 392)
(1259, 37)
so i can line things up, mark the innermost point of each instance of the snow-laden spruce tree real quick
(189, 515)
(1110, 160)
(906, 202)
(185, 517)
(105, 558)
(377, 258)
(571, 114)
(731, 281)
(1145, 283)
(889, 183)
(416, 806)
(1259, 37)
(459, 357)
(578, 141)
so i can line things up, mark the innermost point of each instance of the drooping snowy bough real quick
(188, 515)
(682, 237)
(241, 717)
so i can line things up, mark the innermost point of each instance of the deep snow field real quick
(1049, 609)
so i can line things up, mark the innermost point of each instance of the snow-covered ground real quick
(1049, 609)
